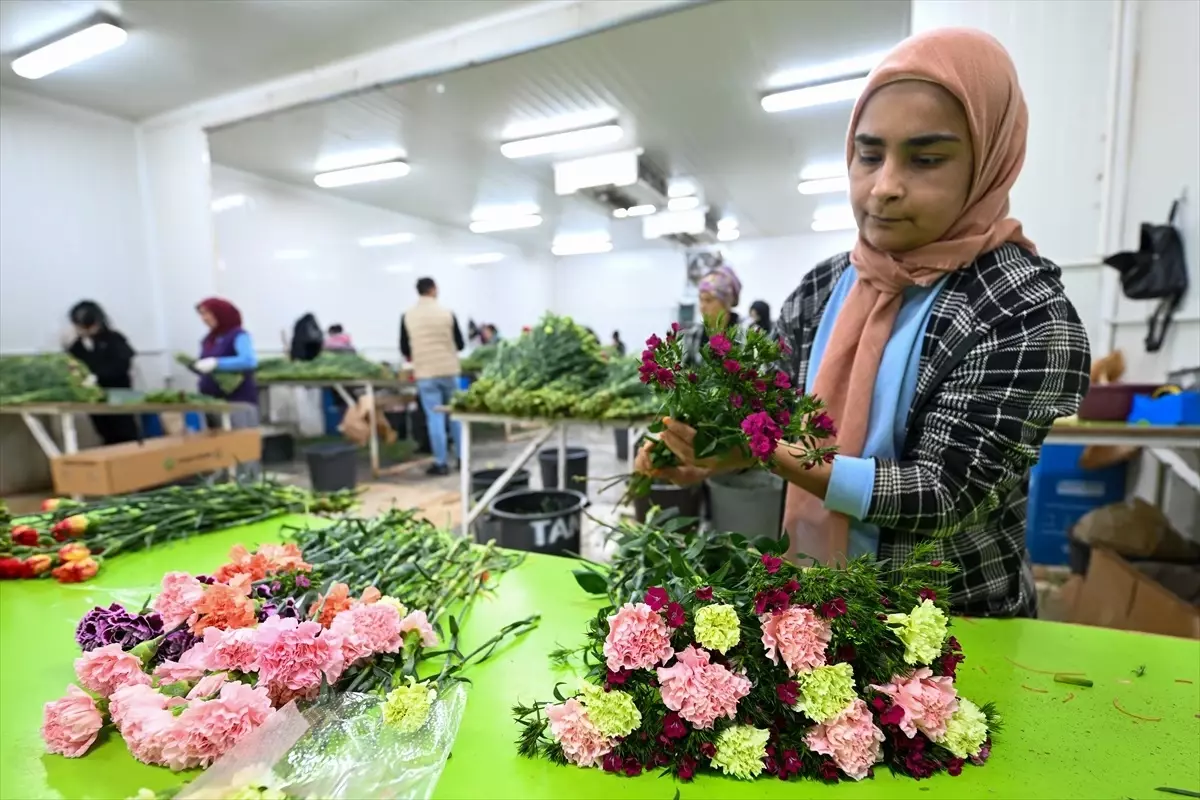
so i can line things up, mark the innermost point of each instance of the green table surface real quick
(1049, 748)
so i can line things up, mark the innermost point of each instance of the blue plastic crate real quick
(1171, 409)
(1060, 493)
(332, 412)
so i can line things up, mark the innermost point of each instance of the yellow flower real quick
(826, 692)
(613, 713)
(966, 730)
(740, 751)
(407, 706)
(717, 627)
(388, 600)
(922, 632)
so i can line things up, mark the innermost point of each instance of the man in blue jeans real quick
(431, 339)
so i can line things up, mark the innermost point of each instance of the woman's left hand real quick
(679, 436)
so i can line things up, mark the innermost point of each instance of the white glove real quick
(87, 343)
(205, 365)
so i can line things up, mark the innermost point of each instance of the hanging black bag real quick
(1157, 271)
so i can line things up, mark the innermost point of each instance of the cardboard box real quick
(128, 467)
(1117, 595)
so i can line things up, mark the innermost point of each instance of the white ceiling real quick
(183, 51)
(685, 86)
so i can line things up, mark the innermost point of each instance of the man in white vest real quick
(431, 339)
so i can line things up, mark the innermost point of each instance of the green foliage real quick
(478, 359)
(49, 378)
(328, 366)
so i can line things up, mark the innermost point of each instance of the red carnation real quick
(829, 771)
(24, 535)
(693, 377)
(893, 715)
(686, 768)
(834, 608)
(632, 767)
(771, 563)
(675, 327)
(846, 654)
(927, 594)
(954, 767)
(11, 568)
(657, 597)
(791, 761)
(789, 693)
(704, 593)
(883, 601)
(708, 749)
(792, 585)
(673, 726)
(617, 678)
(612, 762)
(675, 615)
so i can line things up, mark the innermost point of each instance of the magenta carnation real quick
(927, 702)
(720, 345)
(638, 638)
(851, 739)
(699, 690)
(796, 635)
(581, 742)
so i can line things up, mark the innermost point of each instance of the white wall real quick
(71, 217)
(287, 251)
(638, 292)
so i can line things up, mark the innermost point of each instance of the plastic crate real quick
(1060, 492)
(331, 412)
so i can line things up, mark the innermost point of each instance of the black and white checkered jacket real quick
(1004, 355)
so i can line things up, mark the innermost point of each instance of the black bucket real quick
(482, 480)
(684, 499)
(577, 468)
(538, 520)
(332, 467)
(621, 436)
(278, 448)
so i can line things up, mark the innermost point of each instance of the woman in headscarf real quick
(943, 344)
(226, 349)
(108, 356)
(720, 291)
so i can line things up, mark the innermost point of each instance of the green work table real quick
(1053, 745)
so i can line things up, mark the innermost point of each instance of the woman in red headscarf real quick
(943, 344)
(227, 348)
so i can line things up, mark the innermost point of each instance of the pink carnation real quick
(638, 638)
(417, 621)
(851, 739)
(231, 649)
(927, 702)
(800, 637)
(582, 744)
(70, 724)
(369, 629)
(142, 717)
(208, 686)
(180, 593)
(292, 657)
(208, 728)
(108, 668)
(128, 704)
(701, 691)
(191, 665)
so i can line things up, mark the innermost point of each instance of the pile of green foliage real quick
(328, 366)
(477, 360)
(557, 370)
(178, 396)
(52, 378)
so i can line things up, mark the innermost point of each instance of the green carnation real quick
(966, 730)
(407, 706)
(717, 627)
(613, 713)
(826, 692)
(922, 632)
(740, 751)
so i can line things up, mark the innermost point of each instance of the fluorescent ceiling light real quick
(398, 269)
(680, 189)
(634, 211)
(581, 244)
(565, 122)
(371, 172)
(727, 224)
(729, 235)
(817, 95)
(79, 46)
(505, 211)
(385, 240)
(357, 158)
(824, 185)
(560, 142)
(610, 169)
(682, 203)
(834, 218)
(291, 255)
(227, 202)
(829, 71)
(505, 223)
(481, 258)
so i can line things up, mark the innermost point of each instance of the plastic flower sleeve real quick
(339, 748)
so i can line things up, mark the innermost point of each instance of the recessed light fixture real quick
(481, 258)
(683, 203)
(504, 211)
(829, 71)
(291, 255)
(834, 218)
(62, 53)
(386, 240)
(581, 244)
(727, 224)
(562, 142)
(506, 223)
(816, 95)
(680, 188)
(357, 158)
(729, 235)
(228, 202)
(527, 129)
(824, 185)
(634, 211)
(364, 174)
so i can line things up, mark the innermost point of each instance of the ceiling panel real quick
(685, 87)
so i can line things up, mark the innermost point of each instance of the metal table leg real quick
(371, 420)
(464, 473)
(498, 485)
(562, 455)
(70, 440)
(41, 435)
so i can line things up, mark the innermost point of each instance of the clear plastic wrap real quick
(338, 748)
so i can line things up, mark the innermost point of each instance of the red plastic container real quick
(1112, 402)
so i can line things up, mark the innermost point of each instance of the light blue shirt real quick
(244, 359)
(853, 478)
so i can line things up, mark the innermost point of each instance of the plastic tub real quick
(577, 468)
(538, 520)
(333, 466)
(750, 503)
(686, 500)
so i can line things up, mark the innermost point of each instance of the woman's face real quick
(87, 330)
(712, 309)
(912, 166)
(207, 317)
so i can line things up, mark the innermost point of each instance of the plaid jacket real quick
(1004, 355)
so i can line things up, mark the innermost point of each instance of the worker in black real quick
(108, 356)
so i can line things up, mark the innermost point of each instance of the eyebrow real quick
(924, 140)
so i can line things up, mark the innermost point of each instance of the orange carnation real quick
(224, 606)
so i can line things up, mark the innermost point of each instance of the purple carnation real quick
(174, 645)
(115, 625)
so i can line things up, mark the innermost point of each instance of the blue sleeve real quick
(850, 486)
(245, 359)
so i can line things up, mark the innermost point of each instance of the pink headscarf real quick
(977, 70)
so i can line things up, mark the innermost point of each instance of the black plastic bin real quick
(621, 437)
(278, 448)
(482, 480)
(686, 500)
(332, 466)
(537, 520)
(577, 468)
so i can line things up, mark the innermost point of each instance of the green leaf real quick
(453, 626)
(767, 544)
(591, 582)
(656, 426)
(557, 694)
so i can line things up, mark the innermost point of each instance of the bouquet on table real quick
(737, 397)
(767, 670)
(352, 607)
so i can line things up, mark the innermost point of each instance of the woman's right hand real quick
(680, 476)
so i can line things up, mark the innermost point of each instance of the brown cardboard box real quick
(121, 468)
(1116, 595)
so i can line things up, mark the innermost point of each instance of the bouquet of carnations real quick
(212, 657)
(736, 398)
(821, 673)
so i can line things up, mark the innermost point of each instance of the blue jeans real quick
(435, 392)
